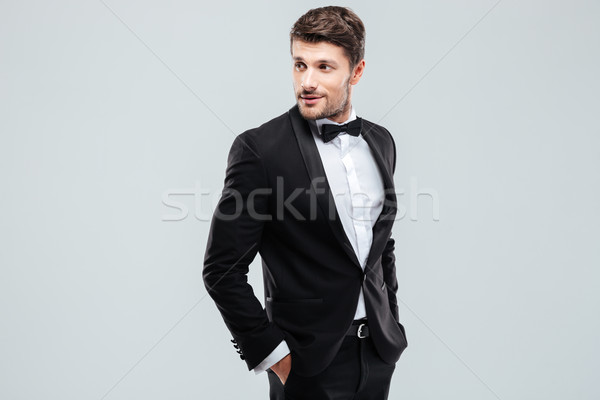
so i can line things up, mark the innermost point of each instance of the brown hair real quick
(336, 25)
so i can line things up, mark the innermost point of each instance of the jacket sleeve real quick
(388, 263)
(233, 241)
(388, 259)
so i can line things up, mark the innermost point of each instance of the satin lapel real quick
(383, 226)
(318, 179)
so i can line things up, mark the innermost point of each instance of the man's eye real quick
(325, 67)
(299, 65)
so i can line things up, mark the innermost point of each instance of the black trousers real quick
(356, 373)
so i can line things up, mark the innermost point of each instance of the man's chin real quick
(309, 113)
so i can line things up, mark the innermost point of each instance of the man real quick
(312, 192)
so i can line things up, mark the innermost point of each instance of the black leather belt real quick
(358, 328)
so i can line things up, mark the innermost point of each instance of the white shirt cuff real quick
(276, 355)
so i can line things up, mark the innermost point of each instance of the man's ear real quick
(357, 72)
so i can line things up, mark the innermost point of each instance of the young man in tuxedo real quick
(312, 191)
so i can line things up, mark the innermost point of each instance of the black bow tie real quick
(330, 131)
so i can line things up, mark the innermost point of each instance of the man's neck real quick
(342, 117)
(350, 115)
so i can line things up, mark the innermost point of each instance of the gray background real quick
(107, 109)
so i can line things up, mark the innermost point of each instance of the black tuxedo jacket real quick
(277, 201)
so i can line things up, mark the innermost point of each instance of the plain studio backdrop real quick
(116, 118)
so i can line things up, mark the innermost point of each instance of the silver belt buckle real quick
(360, 328)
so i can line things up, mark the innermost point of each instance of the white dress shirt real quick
(357, 187)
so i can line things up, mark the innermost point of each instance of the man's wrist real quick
(278, 363)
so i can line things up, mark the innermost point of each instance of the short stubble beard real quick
(330, 109)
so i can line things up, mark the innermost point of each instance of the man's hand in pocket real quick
(282, 368)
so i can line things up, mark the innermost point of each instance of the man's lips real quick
(310, 99)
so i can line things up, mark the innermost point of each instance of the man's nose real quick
(309, 80)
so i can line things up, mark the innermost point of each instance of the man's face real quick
(323, 80)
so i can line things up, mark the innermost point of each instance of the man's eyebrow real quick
(322, 61)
